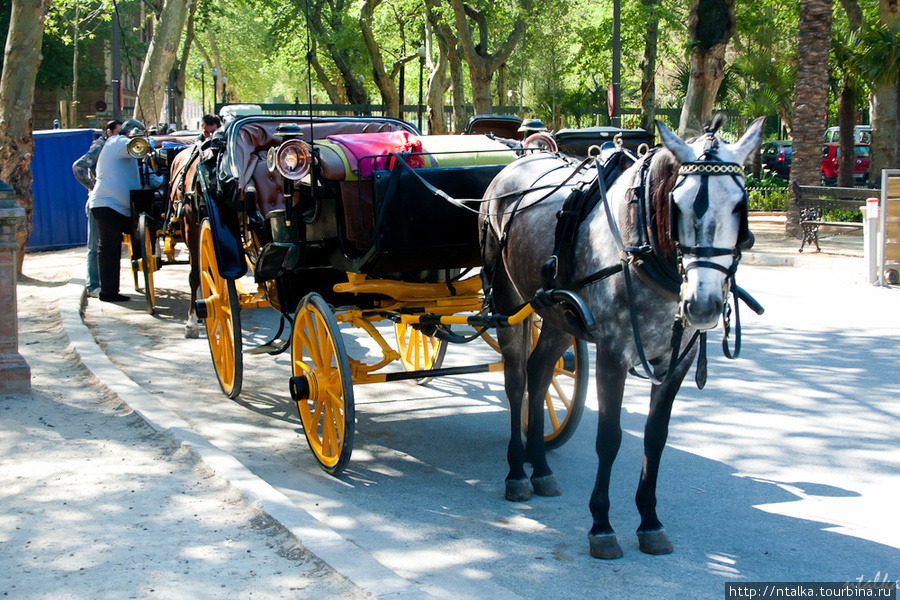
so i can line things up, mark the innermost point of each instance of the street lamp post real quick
(421, 53)
(202, 89)
(224, 94)
(215, 74)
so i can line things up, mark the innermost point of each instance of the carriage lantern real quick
(292, 158)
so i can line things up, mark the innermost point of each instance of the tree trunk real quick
(846, 120)
(353, 86)
(183, 64)
(160, 57)
(482, 64)
(438, 84)
(385, 82)
(884, 130)
(648, 68)
(810, 100)
(21, 59)
(334, 93)
(884, 153)
(457, 85)
(711, 25)
(74, 106)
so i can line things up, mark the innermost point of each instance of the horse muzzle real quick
(702, 304)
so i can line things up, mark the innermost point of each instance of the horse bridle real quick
(710, 165)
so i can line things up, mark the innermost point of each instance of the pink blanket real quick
(371, 150)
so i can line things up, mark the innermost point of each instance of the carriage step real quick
(275, 346)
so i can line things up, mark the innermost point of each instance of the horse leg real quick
(610, 390)
(541, 364)
(651, 533)
(191, 234)
(514, 348)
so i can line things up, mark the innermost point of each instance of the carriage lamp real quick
(138, 147)
(293, 159)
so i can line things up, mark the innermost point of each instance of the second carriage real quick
(357, 221)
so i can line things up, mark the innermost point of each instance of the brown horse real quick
(183, 201)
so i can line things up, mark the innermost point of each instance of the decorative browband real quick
(710, 168)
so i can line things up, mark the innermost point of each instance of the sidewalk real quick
(774, 248)
(106, 497)
(99, 504)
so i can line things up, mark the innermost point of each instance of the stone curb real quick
(343, 556)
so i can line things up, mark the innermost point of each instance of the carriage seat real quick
(338, 162)
(343, 158)
(246, 157)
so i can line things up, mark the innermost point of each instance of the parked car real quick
(776, 158)
(862, 134)
(831, 163)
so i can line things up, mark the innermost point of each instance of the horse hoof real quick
(518, 490)
(605, 546)
(654, 542)
(191, 332)
(546, 486)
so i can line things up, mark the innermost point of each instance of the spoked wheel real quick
(565, 398)
(321, 384)
(132, 260)
(221, 310)
(419, 352)
(147, 236)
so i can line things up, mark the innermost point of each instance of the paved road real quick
(785, 468)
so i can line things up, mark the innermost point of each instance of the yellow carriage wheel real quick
(419, 352)
(147, 237)
(321, 384)
(564, 402)
(223, 316)
(133, 259)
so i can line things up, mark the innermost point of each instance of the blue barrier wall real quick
(59, 219)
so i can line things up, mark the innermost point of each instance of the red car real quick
(831, 163)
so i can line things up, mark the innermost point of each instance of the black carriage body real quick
(577, 142)
(386, 225)
(416, 230)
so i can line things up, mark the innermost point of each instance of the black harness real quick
(645, 255)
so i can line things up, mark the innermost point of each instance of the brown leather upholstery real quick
(248, 156)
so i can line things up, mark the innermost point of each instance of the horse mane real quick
(663, 175)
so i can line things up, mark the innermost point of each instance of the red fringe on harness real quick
(371, 150)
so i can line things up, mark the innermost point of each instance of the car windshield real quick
(862, 150)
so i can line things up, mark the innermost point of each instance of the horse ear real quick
(675, 144)
(750, 140)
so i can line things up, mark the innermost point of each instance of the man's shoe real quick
(92, 293)
(113, 297)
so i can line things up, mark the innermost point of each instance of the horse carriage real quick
(361, 221)
(357, 221)
(156, 221)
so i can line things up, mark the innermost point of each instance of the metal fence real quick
(768, 199)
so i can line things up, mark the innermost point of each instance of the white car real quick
(862, 134)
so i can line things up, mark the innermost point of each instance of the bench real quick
(813, 201)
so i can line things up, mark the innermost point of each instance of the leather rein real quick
(556, 269)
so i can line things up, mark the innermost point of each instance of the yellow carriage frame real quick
(323, 376)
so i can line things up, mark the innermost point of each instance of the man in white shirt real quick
(110, 202)
(85, 172)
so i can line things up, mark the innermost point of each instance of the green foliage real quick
(851, 216)
(767, 193)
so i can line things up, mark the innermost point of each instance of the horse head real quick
(708, 213)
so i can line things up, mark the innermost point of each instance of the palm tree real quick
(851, 91)
(810, 99)
(878, 61)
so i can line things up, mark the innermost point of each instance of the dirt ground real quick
(96, 504)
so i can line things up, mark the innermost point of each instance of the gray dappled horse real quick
(625, 263)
